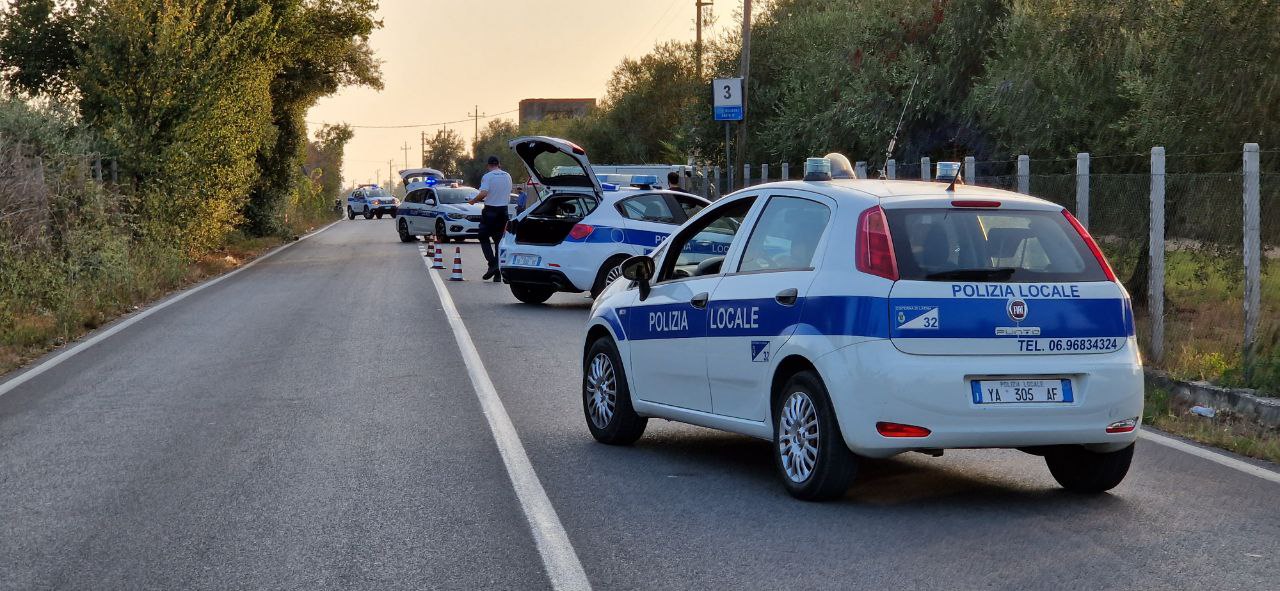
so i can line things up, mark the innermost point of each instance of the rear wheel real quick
(531, 294)
(351, 213)
(809, 451)
(403, 228)
(606, 400)
(1079, 470)
(610, 271)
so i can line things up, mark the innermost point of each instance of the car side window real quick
(786, 236)
(647, 208)
(415, 197)
(699, 249)
(689, 205)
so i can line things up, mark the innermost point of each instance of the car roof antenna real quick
(893, 141)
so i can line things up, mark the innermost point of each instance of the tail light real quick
(900, 430)
(875, 246)
(1093, 245)
(581, 231)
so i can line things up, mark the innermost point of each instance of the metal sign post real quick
(726, 99)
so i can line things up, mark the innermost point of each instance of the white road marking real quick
(558, 556)
(53, 362)
(1212, 456)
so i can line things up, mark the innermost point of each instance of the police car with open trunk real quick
(846, 318)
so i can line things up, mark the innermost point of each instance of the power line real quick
(413, 125)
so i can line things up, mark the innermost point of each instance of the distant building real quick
(537, 109)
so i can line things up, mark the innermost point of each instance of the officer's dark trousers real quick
(493, 220)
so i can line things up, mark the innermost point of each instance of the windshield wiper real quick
(980, 274)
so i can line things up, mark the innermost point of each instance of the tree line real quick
(984, 78)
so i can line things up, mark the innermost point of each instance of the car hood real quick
(466, 208)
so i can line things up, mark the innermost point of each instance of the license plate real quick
(1021, 391)
(526, 260)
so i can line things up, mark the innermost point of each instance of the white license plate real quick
(526, 260)
(1022, 391)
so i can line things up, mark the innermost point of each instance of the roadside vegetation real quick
(1225, 430)
(145, 145)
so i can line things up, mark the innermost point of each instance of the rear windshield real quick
(566, 207)
(989, 245)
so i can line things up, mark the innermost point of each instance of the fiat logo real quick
(1017, 310)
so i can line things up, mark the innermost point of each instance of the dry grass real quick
(1226, 430)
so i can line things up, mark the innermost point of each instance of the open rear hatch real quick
(574, 192)
(1000, 277)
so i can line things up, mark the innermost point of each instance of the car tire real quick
(351, 213)
(403, 228)
(606, 399)
(606, 275)
(442, 236)
(803, 415)
(531, 294)
(378, 215)
(1079, 470)
(368, 215)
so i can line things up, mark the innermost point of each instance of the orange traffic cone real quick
(438, 253)
(456, 275)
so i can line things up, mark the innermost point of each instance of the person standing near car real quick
(495, 192)
(673, 181)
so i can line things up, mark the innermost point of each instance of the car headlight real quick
(457, 216)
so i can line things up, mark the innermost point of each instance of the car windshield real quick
(458, 195)
(375, 193)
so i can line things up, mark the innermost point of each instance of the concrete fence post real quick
(97, 169)
(1082, 186)
(1024, 174)
(115, 171)
(1252, 254)
(860, 169)
(786, 171)
(891, 169)
(1155, 279)
(925, 173)
(746, 175)
(717, 176)
(970, 175)
(764, 173)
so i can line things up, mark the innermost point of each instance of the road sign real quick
(727, 99)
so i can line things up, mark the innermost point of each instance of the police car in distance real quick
(370, 201)
(863, 318)
(439, 208)
(574, 239)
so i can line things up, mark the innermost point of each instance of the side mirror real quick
(639, 269)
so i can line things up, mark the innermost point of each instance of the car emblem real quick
(1017, 310)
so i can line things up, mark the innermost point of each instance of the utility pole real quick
(746, 77)
(391, 162)
(424, 148)
(697, 48)
(475, 139)
(406, 149)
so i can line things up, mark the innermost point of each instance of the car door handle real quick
(700, 301)
(787, 297)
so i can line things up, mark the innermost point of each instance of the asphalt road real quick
(310, 424)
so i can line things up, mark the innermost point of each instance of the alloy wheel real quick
(798, 437)
(602, 390)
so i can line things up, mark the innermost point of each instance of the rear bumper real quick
(531, 276)
(873, 381)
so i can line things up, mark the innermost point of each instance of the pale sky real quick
(441, 58)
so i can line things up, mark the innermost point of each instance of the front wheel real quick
(606, 400)
(1079, 470)
(809, 451)
(441, 235)
(403, 228)
(368, 215)
(378, 215)
(531, 294)
(351, 213)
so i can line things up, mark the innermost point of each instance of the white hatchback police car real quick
(853, 318)
(576, 237)
(439, 208)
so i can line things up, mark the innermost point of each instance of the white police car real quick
(439, 208)
(867, 318)
(370, 201)
(574, 239)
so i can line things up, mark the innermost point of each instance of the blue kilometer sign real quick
(726, 99)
